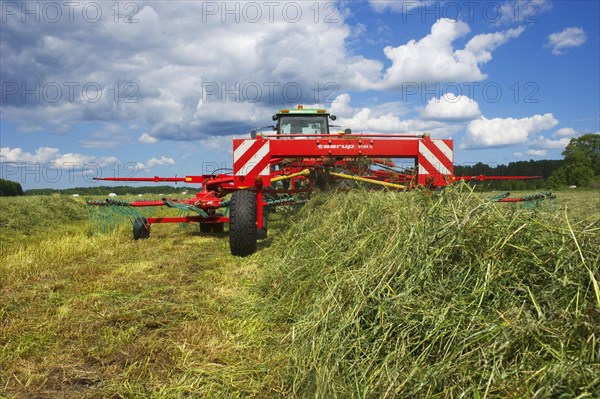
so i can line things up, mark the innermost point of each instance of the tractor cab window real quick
(304, 124)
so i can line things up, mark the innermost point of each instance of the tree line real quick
(10, 188)
(543, 168)
(580, 167)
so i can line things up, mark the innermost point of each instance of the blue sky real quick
(137, 88)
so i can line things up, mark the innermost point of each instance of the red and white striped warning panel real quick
(436, 157)
(251, 158)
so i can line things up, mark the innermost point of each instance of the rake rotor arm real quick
(488, 178)
(204, 179)
(155, 179)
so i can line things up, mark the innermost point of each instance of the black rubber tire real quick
(218, 227)
(205, 227)
(242, 223)
(140, 228)
(261, 234)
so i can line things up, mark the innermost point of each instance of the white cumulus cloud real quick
(17, 155)
(385, 118)
(178, 75)
(370, 121)
(162, 161)
(147, 139)
(544, 143)
(536, 153)
(451, 107)
(565, 132)
(406, 6)
(498, 132)
(341, 106)
(521, 11)
(570, 37)
(51, 155)
(152, 162)
(164, 66)
(434, 59)
(222, 143)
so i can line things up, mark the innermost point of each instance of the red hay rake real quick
(282, 169)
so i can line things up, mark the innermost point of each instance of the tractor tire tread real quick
(205, 227)
(242, 223)
(140, 228)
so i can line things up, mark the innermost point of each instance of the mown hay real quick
(410, 295)
(29, 213)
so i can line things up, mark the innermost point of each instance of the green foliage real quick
(579, 174)
(544, 168)
(558, 179)
(586, 146)
(582, 162)
(402, 295)
(10, 188)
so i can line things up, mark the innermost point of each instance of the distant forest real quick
(10, 188)
(543, 168)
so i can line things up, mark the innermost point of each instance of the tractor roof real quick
(303, 111)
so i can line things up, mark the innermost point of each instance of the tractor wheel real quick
(242, 223)
(205, 227)
(262, 233)
(218, 227)
(140, 228)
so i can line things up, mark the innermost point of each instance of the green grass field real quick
(344, 299)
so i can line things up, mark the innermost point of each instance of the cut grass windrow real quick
(407, 295)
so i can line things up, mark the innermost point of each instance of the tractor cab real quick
(302, 121)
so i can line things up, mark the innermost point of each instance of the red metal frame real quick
(490, 178)
(257, 161)
(187, 219)
(433, 158)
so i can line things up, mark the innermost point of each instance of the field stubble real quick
(343, 303)
(100, 316)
